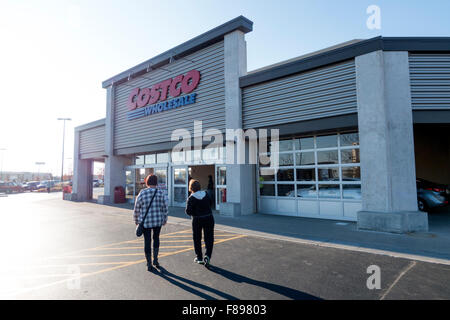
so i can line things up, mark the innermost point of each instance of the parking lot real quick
(54, 249)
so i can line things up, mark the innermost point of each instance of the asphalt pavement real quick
(55, 249)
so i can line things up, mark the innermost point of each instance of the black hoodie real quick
(199, 205)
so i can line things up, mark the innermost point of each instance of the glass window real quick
(139, 160)
(286, 159)
(304, 158)
(351, 191)
(349, 139)
(328, 174)
(330, 191)
(210, 154)
(139, 180)
(285, 145)
(306, 191)
(351, 174)
(193, 155)
(150, 158)
(286, 190)
(221, 195)
(222, 176)
(285, 175)
(161, 174)
(326, 141)
(304, 143)
(266, 174)
(336, 169)
(350, 156)
(306, 174)
(327, 157)
(179, 175)
(162, 157)
(129, 187)
(178, 156)
(267, 190)
(179, 194)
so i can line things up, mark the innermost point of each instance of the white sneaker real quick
(196, 260)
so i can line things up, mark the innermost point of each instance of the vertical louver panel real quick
(92, 140)
(430, 81)
(323, 92)
(157, 128)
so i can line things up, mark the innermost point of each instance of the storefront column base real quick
(394, 222)
(70, 196)
(104, 199)
(230, 209)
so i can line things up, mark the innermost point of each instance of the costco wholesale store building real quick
(357, 123)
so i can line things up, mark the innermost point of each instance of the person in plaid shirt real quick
(156, 217)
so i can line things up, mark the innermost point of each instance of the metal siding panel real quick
(325, 92)
(157, 128)
(92, 140)
(430, 81)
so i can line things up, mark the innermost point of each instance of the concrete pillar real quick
(240, 177)
(114, 165)
(388, 179)
(81, 183)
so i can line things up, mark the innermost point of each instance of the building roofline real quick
(415, 44)
(90, 125)
(206, 39)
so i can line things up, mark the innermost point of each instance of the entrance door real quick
(179, 185)
(129, 186)
(221, 185)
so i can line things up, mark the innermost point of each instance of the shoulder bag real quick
(140, 226)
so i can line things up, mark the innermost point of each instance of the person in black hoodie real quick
(198, 206)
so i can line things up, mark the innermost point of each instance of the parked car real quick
(46, 184)
(10, 187)
(96, 183)
(431, 195)
(31, 185)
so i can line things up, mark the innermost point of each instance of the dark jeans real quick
(207, 225)
(147, 243)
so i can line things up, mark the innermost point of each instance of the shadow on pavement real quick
(173, 279)
(281, 290)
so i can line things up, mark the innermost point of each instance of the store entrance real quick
(212, 178)
(205, 175)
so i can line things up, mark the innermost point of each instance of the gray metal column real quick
(240, 177)
(389, 198)
(82, 171)
(114, 165)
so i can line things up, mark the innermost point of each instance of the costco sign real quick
(168, 94)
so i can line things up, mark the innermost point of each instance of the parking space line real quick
(126, 248)
(408, 267)
(120, 265)
(47, 266)
(127, 241)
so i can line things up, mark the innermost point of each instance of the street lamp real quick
(39, 169)
(64, 132)
(1, 169)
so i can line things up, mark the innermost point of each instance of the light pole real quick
(39, 169)
(62, 159)
(1, 169)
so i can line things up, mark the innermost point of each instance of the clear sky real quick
(55, 54)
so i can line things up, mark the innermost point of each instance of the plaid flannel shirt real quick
(157, 214)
